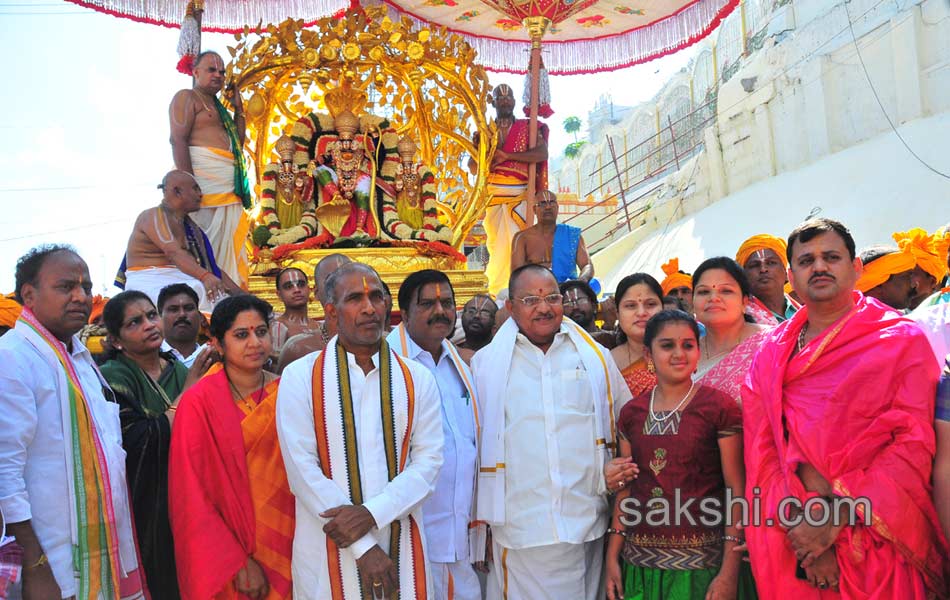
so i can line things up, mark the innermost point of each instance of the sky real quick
(84, 125)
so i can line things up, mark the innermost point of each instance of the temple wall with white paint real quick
(798, 129)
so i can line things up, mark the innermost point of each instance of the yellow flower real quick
(335, 43)
(415, 51)
(351, 51)
(376, 53)
(424, 36)
(328, 53)
(311, 57)
(394, 38)
(386, 24)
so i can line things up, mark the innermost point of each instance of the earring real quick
(650, 366)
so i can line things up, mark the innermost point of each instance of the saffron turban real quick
(763, 241)
(880, 270)
(930, 251)
(98, 303)
(674, 278)
(9, 311)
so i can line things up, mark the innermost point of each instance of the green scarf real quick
(241, 187)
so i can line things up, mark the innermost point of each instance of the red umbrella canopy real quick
(586, 36)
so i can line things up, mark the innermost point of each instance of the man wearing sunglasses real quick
(549, 395)
(559, 247)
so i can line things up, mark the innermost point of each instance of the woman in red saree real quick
(639, 297)
(720, 295)
(231, 510)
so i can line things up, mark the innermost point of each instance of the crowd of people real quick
(784, 434)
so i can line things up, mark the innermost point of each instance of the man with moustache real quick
(208, 143)
(361, 436)
(427, 302)
(508, 183)
(554, 245)
(63, 489)
(839, 403)
(888, 276)
(167, 247)
(580, 305)
(293, 289)
(549, 395)
(181, 321)
(478, 322)
(762, 257)
(305, 343)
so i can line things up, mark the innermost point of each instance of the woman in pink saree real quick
(720, 295)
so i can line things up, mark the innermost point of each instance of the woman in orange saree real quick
(231, 509)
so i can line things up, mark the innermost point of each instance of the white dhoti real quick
(502, 221)
(556, 572)
(222, 215)
(455, 581)
(151, 280)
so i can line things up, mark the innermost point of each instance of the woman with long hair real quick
(147, 384)
(638, 297)
(690, 437)
(720, 295)
(232, 513)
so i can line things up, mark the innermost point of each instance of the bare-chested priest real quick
(208, 142)
(554, 245)
(167, 247)
(303, 344)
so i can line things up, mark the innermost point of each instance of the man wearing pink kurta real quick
(839, 403)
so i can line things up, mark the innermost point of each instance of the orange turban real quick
(930, 251)
(880, 270)
(674, 278)
(763, 241)
(9, 311)
(98, 303)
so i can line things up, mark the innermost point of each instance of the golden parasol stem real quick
(536, 27)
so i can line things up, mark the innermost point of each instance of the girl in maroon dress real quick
(686, 438)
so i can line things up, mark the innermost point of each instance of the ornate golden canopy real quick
(423, 81)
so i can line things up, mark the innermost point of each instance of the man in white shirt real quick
(61, 458)
(361, 437)
(427, 302)
(549, 395)
(178, 307)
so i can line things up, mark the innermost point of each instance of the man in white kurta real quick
(549, 394)
(41, 356)
(330, 527)
(427, 303)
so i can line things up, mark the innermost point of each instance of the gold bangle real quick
(42, 560)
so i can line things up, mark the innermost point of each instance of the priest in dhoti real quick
(361, 433)
(506, 214)
(208, 142)
(550, 395)
(839, 405)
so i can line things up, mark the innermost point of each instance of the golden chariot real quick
(362, 89)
